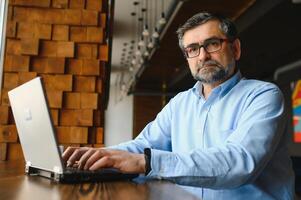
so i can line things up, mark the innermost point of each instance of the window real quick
(296, 97)
(3, 15)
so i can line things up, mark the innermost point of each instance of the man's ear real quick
(236, 49)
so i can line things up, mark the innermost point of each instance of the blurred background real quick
(110, 66)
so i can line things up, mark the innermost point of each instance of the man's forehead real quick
(202, 32)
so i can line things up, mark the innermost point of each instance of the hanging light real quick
(141, 61)
(141, 42)
(145, 31)
(134, 62)
(155, 33)
(150, 45)
(140, 28)
(131, 47)
(138, 52)
(123, 86)
(139, 66)
(146, 53)
(162, 20)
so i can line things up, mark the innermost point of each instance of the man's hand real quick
(97, 158)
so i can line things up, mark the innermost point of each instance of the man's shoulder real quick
(256, 85)
(183, 97)
(184, 94)
(255, 88)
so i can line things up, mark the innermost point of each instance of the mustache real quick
(209, 62)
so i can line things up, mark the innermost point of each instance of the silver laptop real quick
(38, 139)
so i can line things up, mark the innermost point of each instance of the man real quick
(225, 136)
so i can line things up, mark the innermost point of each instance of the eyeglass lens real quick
(210, 45)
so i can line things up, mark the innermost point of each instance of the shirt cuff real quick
(162, 163)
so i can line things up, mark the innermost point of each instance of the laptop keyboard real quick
(75, 175)
(76, 170)
(73, 170)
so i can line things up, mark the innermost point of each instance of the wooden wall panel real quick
(13, 47)
(3, 151)
(94, 5)
(60, 3)
(72, 100)
(60, 33)
(10, 80)
(89, 101)
(99, 135)
(4, 97)
(30, 46)
(34, 30)
(48, 65)
(4, 114)
(89, 67)
(55, 98)
(55, 116)
(145, 110)
(87, 51)
(37, 3)
(77, 4)
(62, 41)
(57, 49)
(14, 152)
(26, 76)
(8, 133)
(11, 29)
(89, 18)
(84, 83)
(72, 135)
(76, 117)
(58, 82)
(103, 52)
(16, 63)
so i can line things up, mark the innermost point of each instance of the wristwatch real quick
(147, 155)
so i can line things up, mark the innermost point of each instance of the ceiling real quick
(269, 31)
(125, 25)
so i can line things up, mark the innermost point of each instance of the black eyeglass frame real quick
(221, 40)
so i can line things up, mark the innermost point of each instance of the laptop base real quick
(80, 176)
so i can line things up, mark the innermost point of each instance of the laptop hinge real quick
(27, 166)
(57, 169)
(57, 173)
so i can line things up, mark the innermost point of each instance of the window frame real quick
(3, 20)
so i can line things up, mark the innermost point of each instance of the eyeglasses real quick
(210, 45)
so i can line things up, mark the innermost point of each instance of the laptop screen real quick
(34, 126)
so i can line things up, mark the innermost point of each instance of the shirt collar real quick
(223, 88)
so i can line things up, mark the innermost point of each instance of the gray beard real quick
(218, 73)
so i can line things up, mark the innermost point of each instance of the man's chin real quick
(209, 78)
(203, 79)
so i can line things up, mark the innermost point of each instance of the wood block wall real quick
(64, 42)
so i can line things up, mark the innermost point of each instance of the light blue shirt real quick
(230, 146)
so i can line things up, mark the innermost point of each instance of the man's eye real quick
(213, 43)
(192, 49)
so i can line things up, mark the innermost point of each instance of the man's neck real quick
(207, 89)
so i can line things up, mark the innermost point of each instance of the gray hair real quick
(226, 25)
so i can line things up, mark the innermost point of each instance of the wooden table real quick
(15, 185)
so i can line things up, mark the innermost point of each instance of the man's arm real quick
(155, 135)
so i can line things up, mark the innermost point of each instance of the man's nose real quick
(204, 55)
